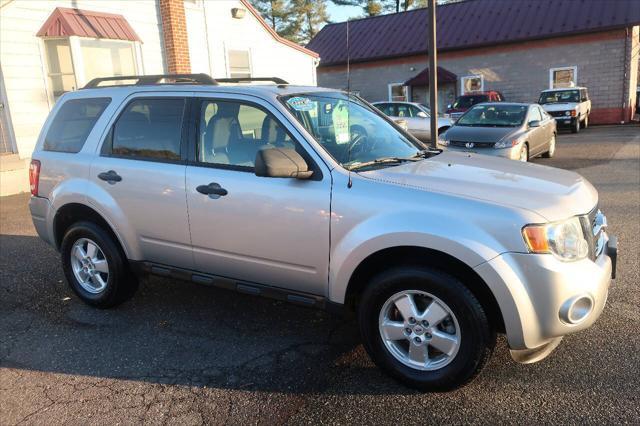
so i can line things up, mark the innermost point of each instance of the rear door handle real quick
(213, 190)
(111, 176)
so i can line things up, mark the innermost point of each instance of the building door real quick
(6, 132)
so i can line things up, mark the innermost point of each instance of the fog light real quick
(576, 309)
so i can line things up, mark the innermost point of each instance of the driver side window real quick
(535, 114)
(231, 133)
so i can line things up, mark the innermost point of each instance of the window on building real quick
(149, 129)
(73, 123)
(471, 83)
(239, 63)
(563, 77)
(105, 58)
(60, 66)
(398, 92)
(231, 133)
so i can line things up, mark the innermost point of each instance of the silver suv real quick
(266, 190)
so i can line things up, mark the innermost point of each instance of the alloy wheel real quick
(419, 330)
(89, 265)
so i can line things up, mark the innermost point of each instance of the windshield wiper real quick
(384, 160)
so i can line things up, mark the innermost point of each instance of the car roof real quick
(479, 92)
(505, 104)
(558, 89)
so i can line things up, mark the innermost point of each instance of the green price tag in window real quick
(340, 118)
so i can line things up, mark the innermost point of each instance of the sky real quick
(342, 13)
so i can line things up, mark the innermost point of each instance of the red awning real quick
(65, 22)
(422, 79)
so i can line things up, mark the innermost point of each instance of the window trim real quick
(106, 146)
(390, 87)
(470, 76)
(574, 68)
(194, 128)
(228, 49)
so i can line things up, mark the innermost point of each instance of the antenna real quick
(349, 182)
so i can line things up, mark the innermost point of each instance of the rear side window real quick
(149, 129)
(73, 123)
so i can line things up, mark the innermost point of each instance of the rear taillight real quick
(34, 176)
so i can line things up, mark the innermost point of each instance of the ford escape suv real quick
(266, 190)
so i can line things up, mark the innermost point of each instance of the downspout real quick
(206, 34)
(627, 63)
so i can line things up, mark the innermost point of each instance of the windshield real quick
(349, 129)
(466, 102)
(494, 116)
(559, 96)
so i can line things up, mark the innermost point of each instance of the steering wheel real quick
(359, 137)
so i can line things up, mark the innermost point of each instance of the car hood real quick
(479, 134)
(553, 193)
(560, 106)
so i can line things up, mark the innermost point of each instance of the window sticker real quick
(340, 118)
(300, 103)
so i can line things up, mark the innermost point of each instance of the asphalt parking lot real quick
(188, 354)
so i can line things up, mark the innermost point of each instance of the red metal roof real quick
(470, 24)
(422, 78)
(64, 22)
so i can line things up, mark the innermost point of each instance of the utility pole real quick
(433, 74)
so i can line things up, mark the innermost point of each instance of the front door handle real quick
(111, 176)
(213, 190)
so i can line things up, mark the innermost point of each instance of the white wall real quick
(269, 57)
(23, 63)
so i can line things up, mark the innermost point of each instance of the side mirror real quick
(584, 100)
(281, 163)
(422, 114)
(534, 123)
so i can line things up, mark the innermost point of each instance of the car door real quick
(548, 126)
(534, 136)
(141, 168)
(270, 231)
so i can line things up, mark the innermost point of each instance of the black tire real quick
(477, 337)
(121, 283)
(576, 126)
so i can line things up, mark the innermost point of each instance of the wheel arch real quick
(74, 212)
(415, 255)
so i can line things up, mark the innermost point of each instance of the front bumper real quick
(538, 293)
(565, 121)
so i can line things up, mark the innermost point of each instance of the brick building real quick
(48, 47)
(517, 47)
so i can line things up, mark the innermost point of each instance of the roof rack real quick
(141, 80)
(276, 80)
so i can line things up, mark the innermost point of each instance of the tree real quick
(276, 12)
(377, 7)
(307, 16)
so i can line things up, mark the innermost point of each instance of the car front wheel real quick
(576, 126)
(425, 328)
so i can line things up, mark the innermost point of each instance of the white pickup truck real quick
(569, 106)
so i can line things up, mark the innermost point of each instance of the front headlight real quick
(567, 113)
(506, 144)
(443, 142)
(563, 239)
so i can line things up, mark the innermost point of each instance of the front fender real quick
(460, 239)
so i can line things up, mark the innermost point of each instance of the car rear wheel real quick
(552, 148)
(425, 328)
(95, 267)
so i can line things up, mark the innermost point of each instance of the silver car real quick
(265, 190)
(504, 129)
(417, 117)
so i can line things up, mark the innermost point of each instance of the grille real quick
(463, 144)
(558, 114)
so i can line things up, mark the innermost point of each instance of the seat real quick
(272, 132)
(223, 130)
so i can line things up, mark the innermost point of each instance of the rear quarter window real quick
(72, 124)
